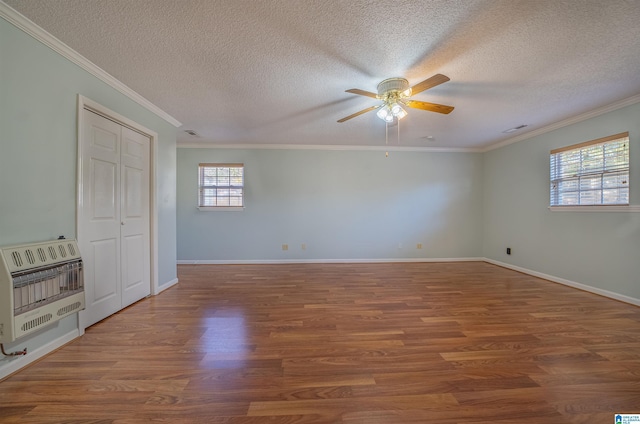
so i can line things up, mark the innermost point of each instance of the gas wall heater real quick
(40, 283)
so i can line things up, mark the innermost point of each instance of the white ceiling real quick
(276, 71)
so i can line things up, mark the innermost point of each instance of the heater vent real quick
(36, 322)
(69, 308)
(30, 258)
(17, 259)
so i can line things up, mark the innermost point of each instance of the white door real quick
(134, 216)
(113, 216)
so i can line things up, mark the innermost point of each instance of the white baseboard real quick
(595, 290)
(321, 261)
(19, 362)
(166, 286)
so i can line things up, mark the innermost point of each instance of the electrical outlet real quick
(285, 247)
(304, 246)
(419, 246)
(508, 250)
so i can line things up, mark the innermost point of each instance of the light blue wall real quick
(601, 250)
(341, 204)
(38, 142)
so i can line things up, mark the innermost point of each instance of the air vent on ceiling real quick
(514, 129)
(192, 133)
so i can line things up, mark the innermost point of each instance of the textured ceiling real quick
(276, 71)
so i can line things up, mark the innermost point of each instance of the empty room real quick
(301, 211)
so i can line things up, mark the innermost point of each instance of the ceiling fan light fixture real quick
(394, 94)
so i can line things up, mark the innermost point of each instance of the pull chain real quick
(386, 137)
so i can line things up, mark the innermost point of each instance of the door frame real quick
(86, 103)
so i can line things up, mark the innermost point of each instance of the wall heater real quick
(40, 283)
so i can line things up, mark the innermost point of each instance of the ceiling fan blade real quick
(362, 92)
(437, 79)
(369, 109)
(432, 107)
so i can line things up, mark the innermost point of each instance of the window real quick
(592, 173)
(221, 185)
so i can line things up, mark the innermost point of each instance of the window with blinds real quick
(592, 173)
(221, 185)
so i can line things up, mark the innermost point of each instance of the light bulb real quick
(395, 109)
(401, 114)
(383, 113)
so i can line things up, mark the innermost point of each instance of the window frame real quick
(201, 187)
(605, 169)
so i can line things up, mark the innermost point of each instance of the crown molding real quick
(24, 24)
(569, 121)
(205, 145)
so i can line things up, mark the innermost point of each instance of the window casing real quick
(592, 173)
(220, 185)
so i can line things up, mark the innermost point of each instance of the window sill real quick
(220, 208)
(596, 208)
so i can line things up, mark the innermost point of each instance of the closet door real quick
(100, 216)
(134, 216)
(113, 216)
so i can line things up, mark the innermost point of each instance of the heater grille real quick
(36, 322)
(40, 283)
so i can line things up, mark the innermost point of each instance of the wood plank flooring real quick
(344, 344)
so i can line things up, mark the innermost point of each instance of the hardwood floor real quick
(345, 344)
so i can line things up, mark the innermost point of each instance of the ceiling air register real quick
(40, 284)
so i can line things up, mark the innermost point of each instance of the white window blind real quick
(221, 185)
(592, 173)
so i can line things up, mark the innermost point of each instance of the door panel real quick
(104, 257)
(133, 197)
(100, 216)
(103, 190)
(133, 275)
(135, 216)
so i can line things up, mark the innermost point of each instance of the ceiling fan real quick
(395, 93)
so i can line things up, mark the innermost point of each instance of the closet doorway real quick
(114, 231)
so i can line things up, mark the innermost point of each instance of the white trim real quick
(570, 121)
(167, 285)
(186, 145)
(320, 261)
(23, 23)
(220, 208)
(18, 362)
(596, 208)
(86, 103)
(595, 290)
